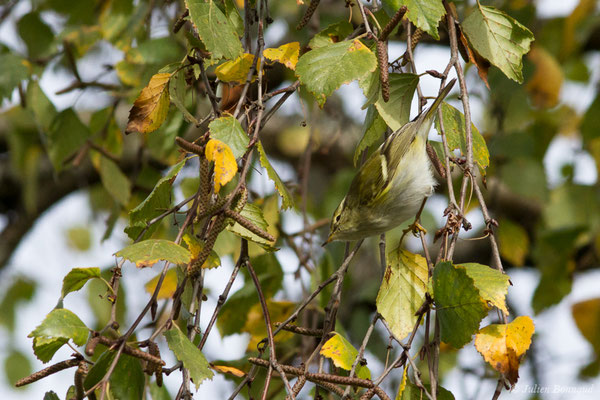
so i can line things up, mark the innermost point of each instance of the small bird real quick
(391, 185)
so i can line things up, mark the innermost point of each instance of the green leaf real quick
(127, 380)
(413, 392)
(154, 205)
(254, 214)
(149, 252)
(159, 392)
(115, 182)
(396, 111)
(98, 370)
(82, 38)
(554, 254)
(228, 130)
(42, 108)
(51, 396)
(78, 277)
(531, 185)
(499, 38)
(215, 30)
(287, 200)
(45, 348)
(14, 70)
(425, 14)
(491, 283)
(16, 366)
(38, 36)
(572, 206)
(373, 127)
(371, 88)
(459, 306)
(334, 33)
(21, 290)
(80, 12)
(402, 290)
(178, 94)
(162, 143)
(454, 127)
(325, 69)
(234, 17)
(591, 121)
(234, 313)
(79, 238)
(192, 358)
(97, 296)
(120, 22)
(66, 135)
(343, 354)
(162, 52)
(62, 324)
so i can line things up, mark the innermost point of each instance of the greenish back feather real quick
(375, 176)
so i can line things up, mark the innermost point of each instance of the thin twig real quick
(361, 351)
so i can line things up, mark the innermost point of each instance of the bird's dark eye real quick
(337, 218)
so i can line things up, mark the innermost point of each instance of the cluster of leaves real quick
(172, 82)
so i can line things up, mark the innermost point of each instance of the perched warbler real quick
(391, 185)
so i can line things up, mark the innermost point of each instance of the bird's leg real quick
(415, 227)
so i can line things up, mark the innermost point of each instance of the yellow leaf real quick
(502, 345)
(225, 165)
(255, 324)
(572, 25)
(514, 242)
(402, 384)
(195, 247)
(343, 355)
(587, 317)
(168, 286)
(544, 86)
(150, 109)
(235, 70)
(224, 369)
(286, 54)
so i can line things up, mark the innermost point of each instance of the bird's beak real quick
(329, 240)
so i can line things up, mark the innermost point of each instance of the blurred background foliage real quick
(71, 70)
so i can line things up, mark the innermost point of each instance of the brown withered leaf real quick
(150, 109)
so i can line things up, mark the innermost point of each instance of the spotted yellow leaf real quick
(502, 345)
(150, 109)
(286, 54)
(225, 165)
